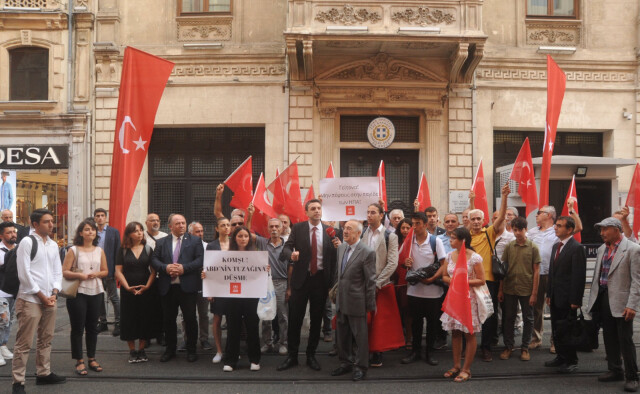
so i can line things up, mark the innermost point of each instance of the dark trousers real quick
(314, 291)
(511, 311)
(618, 338)
(175, 298)
(424, 308)
(490, 326)
(83, 316)
(238, 308)
(564, 352)
(111, 289)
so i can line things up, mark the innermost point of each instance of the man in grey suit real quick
(356, 297)
(614, 299)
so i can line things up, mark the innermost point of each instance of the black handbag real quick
(498, 268)
(576, 331)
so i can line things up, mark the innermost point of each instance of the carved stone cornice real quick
(423, 16)
(553, 33)
(328, 112)
(540, 74)
(415, 97)
(433, 114)
(227, 69)
(33, 21)
(348, 16)
(204, 28)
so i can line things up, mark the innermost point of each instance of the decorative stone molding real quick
(381, 67)
(553, 34)
(204, 29)
(423, 16)
(433, 113)
(221, 70)
(82, 3)
(541, 75)
(327, 112)
(107, 66)
(348, 16)
(337, 96)
(346, 44)
(420, 45)
(25, 37)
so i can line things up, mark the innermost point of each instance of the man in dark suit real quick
(356, 296)
(312, 256)
(109, 241)
(565, 288)
(178, 261)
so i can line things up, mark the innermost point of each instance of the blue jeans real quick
(7, 311)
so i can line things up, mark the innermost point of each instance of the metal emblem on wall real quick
(381, 133)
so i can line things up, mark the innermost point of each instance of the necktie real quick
(176, 251)
(345, 258)
(313, 267)
(558, 251)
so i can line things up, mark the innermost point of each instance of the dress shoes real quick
(412, 357)
(342, 370)
(611, 376)
(568, 369)
(359, 374)
(52, 378)
(166, 356)
(556, 362)
(430, 360)
(313, 363)
(288, 363)
(192, 357)
(631, 386)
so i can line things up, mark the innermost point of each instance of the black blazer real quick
(111, 247)
(191, 256)
(567, 275)
(300, 240)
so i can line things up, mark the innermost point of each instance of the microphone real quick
(331, 232)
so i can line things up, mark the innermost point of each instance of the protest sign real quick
(235, 274)
(348, 198)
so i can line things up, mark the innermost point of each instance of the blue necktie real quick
(345, 258)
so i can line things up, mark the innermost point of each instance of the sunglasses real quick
(235, 224)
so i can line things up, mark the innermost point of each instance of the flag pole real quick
(236, 170)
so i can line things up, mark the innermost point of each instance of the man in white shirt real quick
(40, 281)
(8, 236)
(153, 232)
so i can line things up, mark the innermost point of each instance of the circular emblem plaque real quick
(381, 132)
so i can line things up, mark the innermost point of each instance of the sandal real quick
(452, 373)
(82, 371)
(94, 366)
(463, 376)
(408, 346)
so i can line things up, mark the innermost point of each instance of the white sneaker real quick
(227, 368)
(283, 350)
(217, 358)
(255, 367)
(5, 352)
(265, 348)
(2, 362)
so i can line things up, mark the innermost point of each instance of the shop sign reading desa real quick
(34, 157)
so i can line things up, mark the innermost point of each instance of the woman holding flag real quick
(460, 307)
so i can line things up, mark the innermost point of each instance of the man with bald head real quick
(153, 232)
(178, 260)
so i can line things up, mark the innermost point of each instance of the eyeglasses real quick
(541, 211)
(559, 225)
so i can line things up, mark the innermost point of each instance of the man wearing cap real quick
(614, 299)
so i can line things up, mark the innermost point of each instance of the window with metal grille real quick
(354, 128)
(28, 73)
(186, 165)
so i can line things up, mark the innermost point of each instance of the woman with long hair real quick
(221, 242)
(402, 229)
(475, 271)
(91, 266)
(135, 274)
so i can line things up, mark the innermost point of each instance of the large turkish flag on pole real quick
(479, 189)
(144, 77)
(522, 173)
(556, 83)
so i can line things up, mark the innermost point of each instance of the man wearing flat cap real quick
(614, 299)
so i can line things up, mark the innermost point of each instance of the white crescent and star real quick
(140, 144)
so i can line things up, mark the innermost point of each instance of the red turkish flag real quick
(241, 183)
(382, 182)
(457, 303)
(481, 193)
(260, 199)
(405, 250)
(310, 195)
(423, 194)
(556, 83)
(287, 196)
(633, 200)
(523, 173)
(272, 185)
(565, 210)
(330, 171)
(144, 77)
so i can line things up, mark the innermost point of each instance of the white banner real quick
(348, 198)
(235, 274)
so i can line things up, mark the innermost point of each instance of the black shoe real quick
(568, 368)
(631, 386)
(413, 356)
(334, 351)
(102, 326)
(192, 357)
(288, 363)
(358, 374)
(611, 377)
(342, 370)
(556, 362)
(182, 348)
(116, 329)
(430, 360)
(166, 356)
(440, 344)
(206, 345)
(52, 378)
(133, 356)
(17, 388)
(313, 363)
(375, 360)
(142, 356)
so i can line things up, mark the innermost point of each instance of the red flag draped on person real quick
(330, 171)
(144, 77)
(633, 200)
(565, 210)
(481, 193)
(457, 303)
(382, 181)
(424, 199)
(241, 183)
(523, 173)
(556, 83)
(385, 331)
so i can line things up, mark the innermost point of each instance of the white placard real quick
(235, 274)
(458, 201)
(348, 198)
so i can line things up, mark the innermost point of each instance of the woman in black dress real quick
(135, 274)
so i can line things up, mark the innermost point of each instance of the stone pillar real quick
(434, 157)
(327, 125)
(460, 140)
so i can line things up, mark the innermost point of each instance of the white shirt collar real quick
(318, 226)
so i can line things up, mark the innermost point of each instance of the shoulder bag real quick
(498, 268)
(70, 286)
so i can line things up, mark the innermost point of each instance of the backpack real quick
(9, 281)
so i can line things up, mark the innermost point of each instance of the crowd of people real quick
(357, 266)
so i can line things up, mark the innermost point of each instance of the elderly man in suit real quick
(178, 260)
(312, 256)
(109, 241)
(565, 288)
(384, 243)
(614, 299)
(356, 296)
